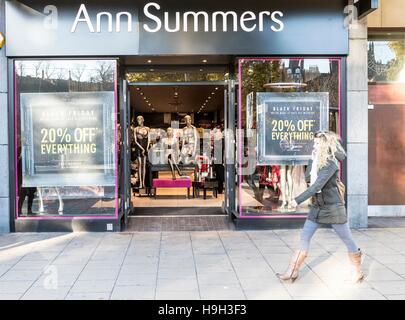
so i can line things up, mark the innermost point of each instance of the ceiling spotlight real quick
(216, 88)
(201, 70)
(205, 61)
(144, 98)
(151, 70)
(153, 109)
(212, 93)
(209, 97)
(149, 61)
(141, 93)
(149, 104)
(138, 89)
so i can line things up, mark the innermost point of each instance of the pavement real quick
(218, 265)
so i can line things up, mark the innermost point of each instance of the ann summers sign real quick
(200, 21)
(124, 27)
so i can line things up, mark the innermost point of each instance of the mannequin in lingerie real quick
(189, 142)
(142, 143)
(172, 150)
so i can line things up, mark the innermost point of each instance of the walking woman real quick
(328, 206)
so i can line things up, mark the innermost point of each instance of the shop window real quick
(65, 140)
(282, 103)
(206, 74)
(386, 74)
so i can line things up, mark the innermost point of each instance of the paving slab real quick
(133, 293)
(219, 265)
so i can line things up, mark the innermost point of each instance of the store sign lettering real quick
(248, 21)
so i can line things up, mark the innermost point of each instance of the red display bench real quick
(170, 184)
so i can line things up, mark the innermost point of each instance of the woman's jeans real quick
(342, 230)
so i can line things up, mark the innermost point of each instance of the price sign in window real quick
(66, 148)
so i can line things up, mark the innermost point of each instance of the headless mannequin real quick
(142, 142)
(286, 186)
(171, 147)
(189, 142)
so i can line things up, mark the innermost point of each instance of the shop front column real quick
(357, 127)
(4, 161)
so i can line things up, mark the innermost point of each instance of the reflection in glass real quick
(386, 94)
(284, 102)
(66, 150)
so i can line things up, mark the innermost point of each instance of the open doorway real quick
(177, 144)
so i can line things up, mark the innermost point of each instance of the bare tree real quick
(61, 74)
(20, 68)
(78, 71)
(48, 70)
(37, 68)
(105, 72)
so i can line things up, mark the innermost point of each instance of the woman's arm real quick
(323, 177)
(136, 139)
(308, 172)
(196, 140)
(148, 144)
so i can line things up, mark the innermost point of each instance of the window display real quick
(171, 147)
(184, 162)
(282, 104)
(286, 124)
(66, 151)
(142, 143)
(190, 142)
(386, 93)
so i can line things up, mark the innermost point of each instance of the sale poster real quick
(68, 139)
(286, 124)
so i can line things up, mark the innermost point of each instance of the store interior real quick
(174, 132)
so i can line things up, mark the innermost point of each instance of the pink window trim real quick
(240, 127)
(66, 218)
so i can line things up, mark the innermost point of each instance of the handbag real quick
(341, 189)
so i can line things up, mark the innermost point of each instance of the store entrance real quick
(177, 149)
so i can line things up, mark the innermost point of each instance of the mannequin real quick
(142, 142)
(286, 186)
(41, 201)
(189, 142)
(299, 185)
(171, 147)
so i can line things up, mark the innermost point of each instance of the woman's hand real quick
(294, 204)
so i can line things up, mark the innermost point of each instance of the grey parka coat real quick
(327, 207)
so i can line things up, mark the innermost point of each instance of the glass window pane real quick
(66, 137)
(386, 70)
(283, 102)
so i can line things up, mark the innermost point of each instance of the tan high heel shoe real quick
(355, 261)
(292, 272)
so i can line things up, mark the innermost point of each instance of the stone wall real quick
(357, 127)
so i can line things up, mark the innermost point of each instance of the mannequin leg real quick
(41, 201)
(61, 205)
(21, 200)
(140, 172)
(290, 186)
(178, 169)
(176, 166)
(143, 170)
(31, 196)
(169, 160)
(283, 186)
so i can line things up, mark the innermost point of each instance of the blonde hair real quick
(328, 147)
